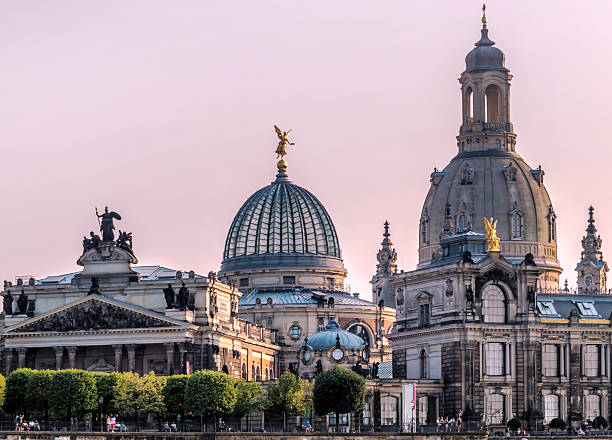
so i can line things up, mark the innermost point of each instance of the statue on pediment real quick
(107, 225)
(183, 297)
(7, 303)
(22, 303)
(91, 243)
(169, 295)
(124, 241)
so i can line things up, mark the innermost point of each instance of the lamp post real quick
(100, 402)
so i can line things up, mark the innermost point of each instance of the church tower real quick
(382, 290)
(591, 268)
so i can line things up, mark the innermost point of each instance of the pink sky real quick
(164, 111)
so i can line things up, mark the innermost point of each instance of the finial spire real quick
(484, 14)
(386, 234)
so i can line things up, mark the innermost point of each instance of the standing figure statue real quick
(283, 137)
(183, 296)
(492, 238)
(22, 303)
(106, 225)
(7, 303)
(169, 295)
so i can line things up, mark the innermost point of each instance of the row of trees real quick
(63, 394)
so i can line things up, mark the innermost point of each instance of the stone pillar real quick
(169, 346)
(8, 356)
(131, 351)
(561, 361)
(118, 348)
(59, 357)
(182, 350)
(71, 356)
(21, 357)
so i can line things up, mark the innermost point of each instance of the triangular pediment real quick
(95, 313)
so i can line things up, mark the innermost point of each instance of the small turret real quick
(591, 268)
(385, 271)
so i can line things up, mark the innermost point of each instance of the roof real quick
(333, 336)
(297, 295)
(147, 273)
(587, 306)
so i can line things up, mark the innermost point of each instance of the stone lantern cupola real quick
(591, 268)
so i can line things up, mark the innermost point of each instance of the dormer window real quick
(467, 176)
(510, 173)
(587, 309)
(424, 311)
(463, 223)
(517, 226)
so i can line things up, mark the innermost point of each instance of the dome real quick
(282, 225)
(333, 335)
(484, 56)
(490, 183)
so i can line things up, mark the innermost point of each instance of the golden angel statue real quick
(283, 137)
(492, 238)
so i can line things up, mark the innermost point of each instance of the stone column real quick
(71, 356)
(118, 348)
(21, 357)
(131, 351)
(8, 356)
(169, 346)
(59, 357)
(182, 350)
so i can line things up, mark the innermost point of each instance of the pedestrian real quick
(108, 424)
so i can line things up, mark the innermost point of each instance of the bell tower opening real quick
(469, 105)
(492, 104)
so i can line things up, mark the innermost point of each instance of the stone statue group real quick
(107, 228)
(22, 304)
(183, 301)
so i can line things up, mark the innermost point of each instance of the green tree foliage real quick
(600, 422)
(136, 395)
(211, 393)
(514, 424)
(286, 395)
(249, 398)
(37, 392)
(2, 389)
(109, 388)
(16, 391)
(557, 423)
(72, 392)
(340, 391)
(174, 394)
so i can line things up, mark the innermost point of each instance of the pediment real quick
(95, 313)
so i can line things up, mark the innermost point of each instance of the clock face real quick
(588, 280)
(307, 356)
(337, 354)
(366, 355)
(589, 243)
(383, 257)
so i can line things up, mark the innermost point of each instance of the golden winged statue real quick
(492, 238)
(283, 137)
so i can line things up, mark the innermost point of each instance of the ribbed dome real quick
(484, 56)
(281, 225)
(326, 339)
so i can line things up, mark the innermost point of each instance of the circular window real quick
(307, 356)
(337, 354)
(295, 331)
(366, 355)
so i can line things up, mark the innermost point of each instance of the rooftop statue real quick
(125, 241)
(281, 150)
(492, 238)
(106, 225)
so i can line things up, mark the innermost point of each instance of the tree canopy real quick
(16, 391)
(340, 391)
(72, 392)
(139, 394)
(174, 394)
(248, 398)
(37, 392)
(286, 395)
(211, 393)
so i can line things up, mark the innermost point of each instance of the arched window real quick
(245, 374)
(494, 304)
(363, 332)
(266, 376)
(492, 104)
(552, 407)
(423, 364)
(517, 225)
(592, 406)
(497, 143)
(258, 374)
(388, 410)
(225, 369)
(496, 409)
(253, 372)
(463, 223)
(512, 175)
(469, 105)
(424, 232)
(423, 401)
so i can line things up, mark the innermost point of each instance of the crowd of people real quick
(113, 425)
(444, 424)
(169, 427)
(22, 425)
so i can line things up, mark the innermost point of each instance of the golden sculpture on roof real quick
(281, 150)
(484, 14)
(492, 238)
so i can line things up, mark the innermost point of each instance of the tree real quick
(600, 422)
(16, 391)
(514, 424)
(211, 393)
(109, 388)
(340, 391)
(286, 396)
(557, 423)
(2, 389)
(139, 395)
(174, 394)
(248, 398)
(72, 392)
(37, 392)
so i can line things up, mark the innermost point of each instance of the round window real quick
(307, 356)
(337, 354)
(295, 331)
(365, 355)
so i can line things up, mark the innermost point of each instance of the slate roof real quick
(295, 296)
(587, 306)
